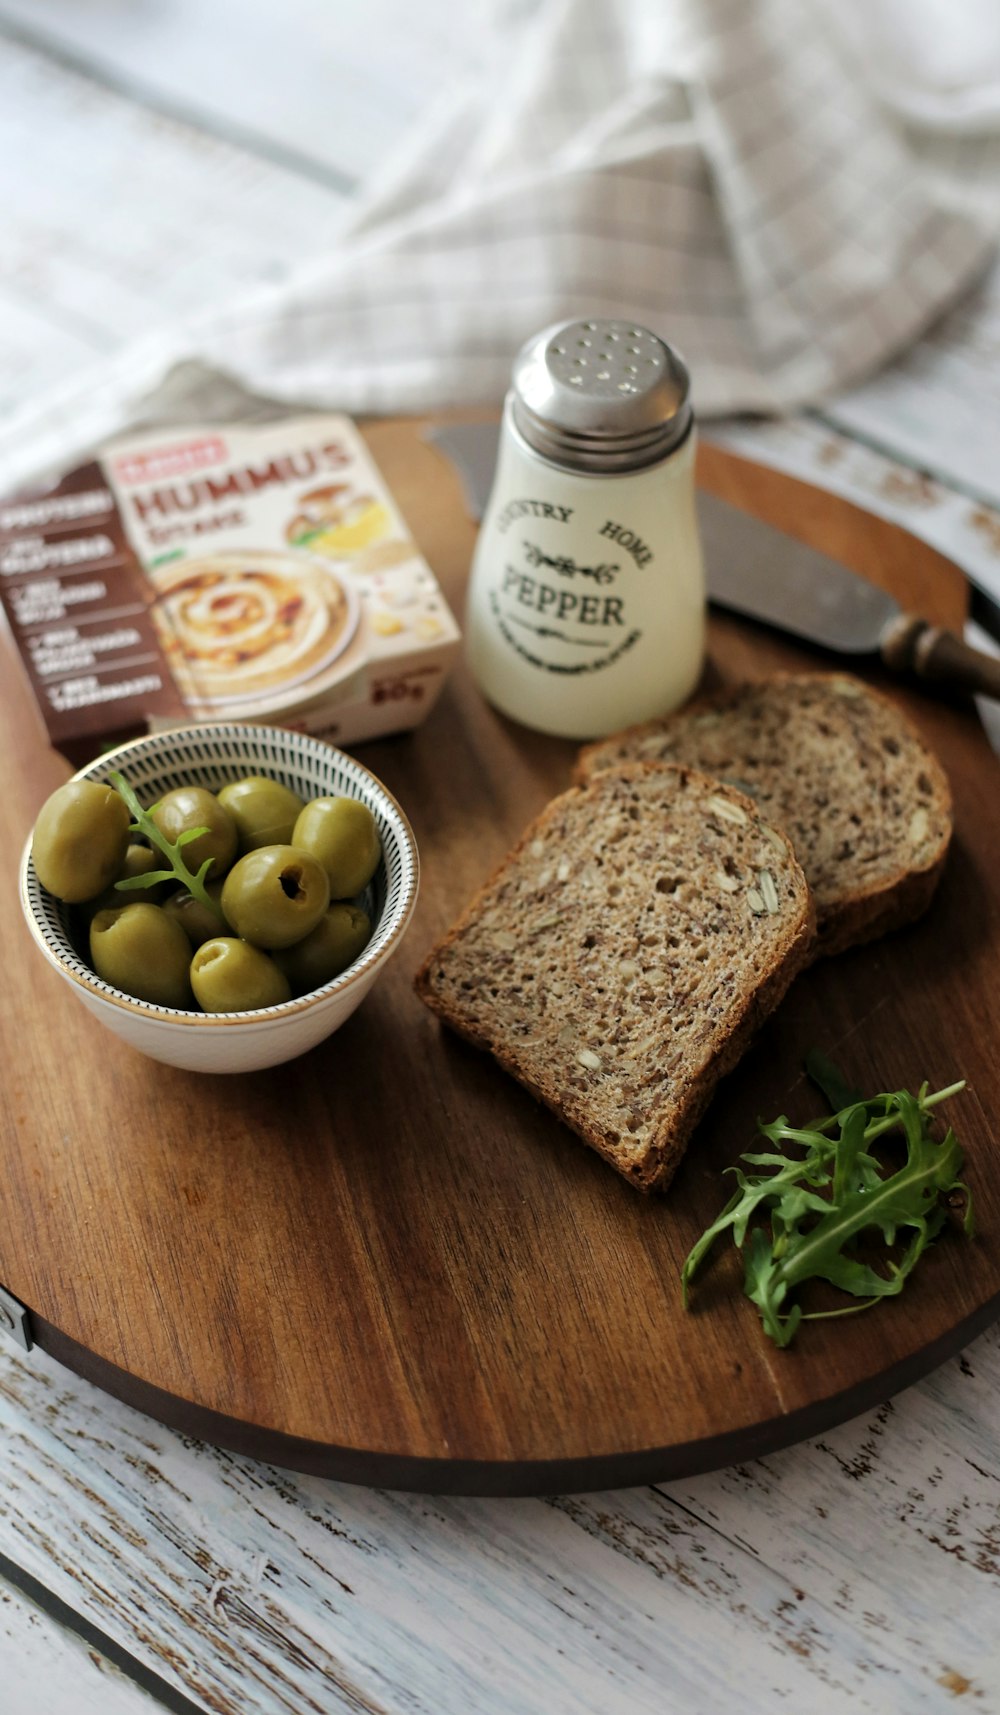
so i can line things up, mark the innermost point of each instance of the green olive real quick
(342, 834)
(198, 922)
(340, 937)
(139, 860)
(139, 949)
(80, 840)
(193, 807)
(142, 860)
(264, 811)
(275, 895)
(231, 976)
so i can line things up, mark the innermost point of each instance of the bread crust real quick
(862, 913)
(655, 1167)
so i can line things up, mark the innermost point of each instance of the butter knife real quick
(765, 575)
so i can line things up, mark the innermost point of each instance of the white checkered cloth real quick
(717, 170)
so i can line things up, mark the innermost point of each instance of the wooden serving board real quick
(384, 1262)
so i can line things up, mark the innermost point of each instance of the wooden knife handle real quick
(912, 644)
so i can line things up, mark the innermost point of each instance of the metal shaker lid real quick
(601, 396)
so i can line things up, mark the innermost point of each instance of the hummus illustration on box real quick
(242, 625)
(338, 520)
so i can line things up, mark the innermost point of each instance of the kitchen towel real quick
(719, 170)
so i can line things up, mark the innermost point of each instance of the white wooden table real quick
(155, 158)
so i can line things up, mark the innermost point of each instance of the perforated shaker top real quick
(601, 396)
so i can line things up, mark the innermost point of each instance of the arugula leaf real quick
(805, 1212)
(830, 1080)
(142, 823)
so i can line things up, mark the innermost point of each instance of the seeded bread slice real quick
(836, 765)
(619, 960)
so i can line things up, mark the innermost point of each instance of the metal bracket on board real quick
(15, 1321)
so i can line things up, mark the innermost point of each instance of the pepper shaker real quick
(586, 604)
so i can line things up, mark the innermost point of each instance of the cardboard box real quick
(242, 572)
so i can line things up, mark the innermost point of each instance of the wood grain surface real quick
(37, 1651)
(859, 1572)
(384, 1261)
(127, 219)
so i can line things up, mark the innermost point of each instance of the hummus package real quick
(234, 573)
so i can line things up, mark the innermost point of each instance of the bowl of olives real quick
(220, 896)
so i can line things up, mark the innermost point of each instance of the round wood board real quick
(384, 1262)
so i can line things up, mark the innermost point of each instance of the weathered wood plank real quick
(965, 529)
(932, 407)
(46, 1670)
(857, 1572)
(126, 219)
(325, 89)
(36, 349)
(901, 1517)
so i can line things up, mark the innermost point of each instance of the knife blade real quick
(763, 574)
(768, 576)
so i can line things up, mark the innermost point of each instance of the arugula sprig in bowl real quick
(213, 755)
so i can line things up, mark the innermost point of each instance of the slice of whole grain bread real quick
(619, 960)
(839, 768)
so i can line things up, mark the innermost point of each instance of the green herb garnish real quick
(142, 823)
(831, 1081)
(800, 1217)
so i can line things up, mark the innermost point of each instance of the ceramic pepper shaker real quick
(587, 597)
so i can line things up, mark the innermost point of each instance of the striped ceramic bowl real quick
(212, 755)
